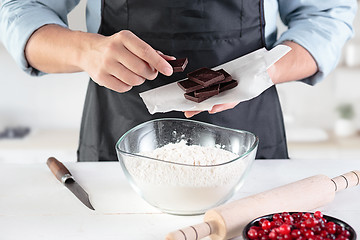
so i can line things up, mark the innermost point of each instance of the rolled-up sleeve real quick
(321, 27)
(19, 19)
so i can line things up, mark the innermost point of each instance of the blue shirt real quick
(320, 26)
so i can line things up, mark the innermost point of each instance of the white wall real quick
(56, 101)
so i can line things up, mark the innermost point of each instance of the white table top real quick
(33, 204)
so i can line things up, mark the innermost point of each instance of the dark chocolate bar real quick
(205, 76)
(178, 65)
(228, 85)
(208, 91)
(227, 76)
(190, 96)
(189, 86)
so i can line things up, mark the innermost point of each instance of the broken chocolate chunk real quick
(208, 91)
(204, 83)
(227, 76)
(228, 85)
(189, 86)
(190, 96)
(178, 65)
(206, 76)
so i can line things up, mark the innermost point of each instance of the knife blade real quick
(64, 176)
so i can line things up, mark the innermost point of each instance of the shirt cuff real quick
(323, 44)
(19, 30)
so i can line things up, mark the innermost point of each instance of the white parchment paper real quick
(249, 70)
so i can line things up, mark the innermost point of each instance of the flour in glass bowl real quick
(190, 188)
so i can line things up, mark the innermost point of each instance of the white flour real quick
(190, 188)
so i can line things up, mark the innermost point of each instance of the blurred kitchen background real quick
(322, 122)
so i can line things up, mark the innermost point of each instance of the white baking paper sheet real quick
(249, 70)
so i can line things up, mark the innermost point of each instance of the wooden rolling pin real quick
(228, 220)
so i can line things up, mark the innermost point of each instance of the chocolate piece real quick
(178, 65)
(205, 76)
(190, 96)
(227, 76)
(189, 86)
(228, 85)
(208, 91)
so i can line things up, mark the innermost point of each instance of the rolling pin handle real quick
(346, 180)
(195, 232)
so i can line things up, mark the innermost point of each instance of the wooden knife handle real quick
(58, 169)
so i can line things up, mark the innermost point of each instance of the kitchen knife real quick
(65, 177)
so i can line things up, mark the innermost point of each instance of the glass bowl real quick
(269, 217)
(185, 188)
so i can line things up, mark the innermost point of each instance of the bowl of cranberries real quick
(299, 226)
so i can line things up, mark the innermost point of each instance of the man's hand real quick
(123, 60)
(117, 62)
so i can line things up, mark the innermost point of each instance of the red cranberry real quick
(295, 233)
(286, 237)
(318, 214)
(272, 235)
(321, 222)
(278, 223)
(285, 214)
(276, 217)
(331, 236)
(303, 225)
(303, 230)
(331, 227)
(310, 222)
(272, 224)
(316, 229)
(261, 233)
(307, 215)
(309, 233)
(265, 237)
(323, 233)
(341, 237)
(288, 219)
(346, 233)
(252, 234)
(284, 229)
(266, 224)
(261, 221)
(257, 228)
(339, 229)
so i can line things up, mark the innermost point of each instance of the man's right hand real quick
(117, 62)
(122, 61)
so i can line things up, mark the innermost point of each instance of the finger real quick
(146, 52)
(136, 65)
(125, 75)
(166, 57)
(222, 107)
(190, 114)
(114, 84)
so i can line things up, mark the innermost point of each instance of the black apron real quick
(209, 33)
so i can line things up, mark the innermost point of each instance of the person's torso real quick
(208, 33)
